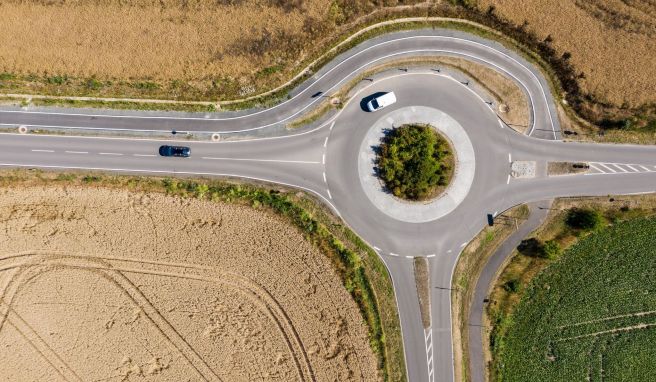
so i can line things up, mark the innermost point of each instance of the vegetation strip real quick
(470, 264)
(361, 270)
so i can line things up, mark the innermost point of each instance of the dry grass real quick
(173, 49)
(470, 264)
(423, 289)
(167, 297)
(612, 42)
(565, 168)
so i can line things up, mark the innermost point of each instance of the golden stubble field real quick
(111, 285)
(167, 39)
(612, 42)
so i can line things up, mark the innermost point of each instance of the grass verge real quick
(359, 267)
(522, 268)
(470, 264)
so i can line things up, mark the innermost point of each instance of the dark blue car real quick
(174, 151)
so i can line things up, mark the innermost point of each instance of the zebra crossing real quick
(597, 168)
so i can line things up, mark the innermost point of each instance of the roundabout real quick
(456, 190)
(333, 161)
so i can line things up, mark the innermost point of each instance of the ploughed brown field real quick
(612, 42)
(113, 285)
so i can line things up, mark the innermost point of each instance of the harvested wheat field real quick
(611, 42)
(181, 49)
(101, 284)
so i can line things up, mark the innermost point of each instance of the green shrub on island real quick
(414, 161)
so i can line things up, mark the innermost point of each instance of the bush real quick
(583, 218)
(551, 249)
(512, 286)
(412, 161)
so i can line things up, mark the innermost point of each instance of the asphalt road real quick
(323, 161)
(538, 211)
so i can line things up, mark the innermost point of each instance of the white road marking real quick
(376, 248)
(431, 255)
(644, 168)
(508, 180)
(410, 257)
(597, 168)
(509, 158)
(330, 196)
(495, 213)
(500, 122)
(393, 254)
(117, 154)
(331, 126)
(144, 155)
(428, 343)
(325, 143)
(324, 178)
(606, 167)
(43, 151)
(323, 159)
(463, 244)
(632, 168)
(449, 251)
(77, 152)
(262, 160)
(620, 167)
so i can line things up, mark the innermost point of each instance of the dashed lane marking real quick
(463, 244)
(116, 154)
(394, 254)
(324, 178)
(43, 151)
(508, 180)
(323, 159)
(77, 152)
(500, 123)
(409, 257)
(331, 126)
(325, 143)
(431, 255)
(330, 196)
(144, 155)
(376, 248)
(509, 158)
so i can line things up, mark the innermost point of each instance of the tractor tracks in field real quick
(26, 266)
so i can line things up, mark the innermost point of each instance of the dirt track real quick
(110, 285)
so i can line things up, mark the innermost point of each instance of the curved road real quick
(323, 161)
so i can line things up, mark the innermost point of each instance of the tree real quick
(412, 161)
(584, 219)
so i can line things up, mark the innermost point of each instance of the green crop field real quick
(590, 316)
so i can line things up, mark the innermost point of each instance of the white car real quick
(381, 101)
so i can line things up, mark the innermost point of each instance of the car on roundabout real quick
(174, 151)
(381, 101)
